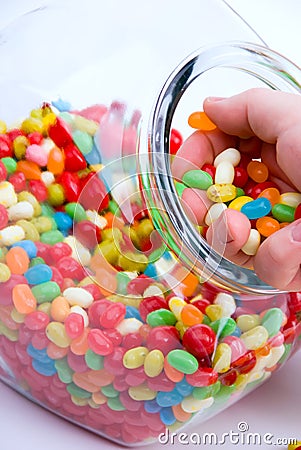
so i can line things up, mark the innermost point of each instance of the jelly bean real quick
(258, 171)
(166, 399)
(223, 327)
(5, 273)
(135, 357)
(23, 299)
(182, 361)
(151, 304)
(240, 177)
(74, 160)
(3, 217)
(221, 193)
(56, 195)
(231, 155)
(17, 260)
(248, 321)
(74, 325)
(245, 363)
(204, 376)
(10, 165)
(191, 315)
(7, 194)
(81, 312)
(93, 360)
(227, 303)
(272, 321)
(214, 212)
(75, 211)
(224, 173)
(283, 213)
(36, 320)
(239, 202)
(56, 333)
(222, 358)
(197, 179)
(255, 338)
(175, 141)
(141, 392)
(63, 221)
(161, 317)
(200, 393)
(252, 244)
(192, 405)
(112, 315)
(52, 237)
(201, 121)
(151, 406)
(99, 343)
(153, 363)
(46, 292)
(199, 340)
(183, 387)
(18, 181)
(267, 226)
(257, 208)
(78, 296)
(166, 338)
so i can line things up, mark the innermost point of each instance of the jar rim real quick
(278, 73)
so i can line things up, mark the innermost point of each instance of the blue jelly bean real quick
(184, 388)
(151, 406)
(63, 221)
(167, 416)
(257, 208)
(93, 157)
(61, 105)
(29, 246)
(38, 355)
(151, 271)
(38, 274)
(171, 398)
(46, 369)
(236, 332)
(132, 312)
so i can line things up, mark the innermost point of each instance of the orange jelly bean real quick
(79, 346)
(271, 194)
(267, 226)
(180, 414)
(172, 373)
(200, 121)
(258, 171)
(56, 161)
(60, 309)
(191, 315)
(56, 352)
(23, 299)
(17, 260)
(30, 169)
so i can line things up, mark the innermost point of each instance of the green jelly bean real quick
(157, 254)
(115, 404)
(67, 117)
(75, 390)
(283, 213)
(93, 360)
(201, 393)
(10, 164)
(286, 354)
(180, 188)
(46, 292)
(36, 261)
(114, 208)
(272, 321)
(83, 141)
(239, 192)
(198, 179)
(53, 224)
(224, 393)
(182, 361)
(52, 237)
(76, 211)
(109, 391)
(122, 282)
(47, 210)
(161, 317)
(64, 372)
(206, 320)
(223, 327)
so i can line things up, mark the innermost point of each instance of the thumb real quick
(278, 258)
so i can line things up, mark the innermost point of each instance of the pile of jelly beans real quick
(88, 327)
(237, 181)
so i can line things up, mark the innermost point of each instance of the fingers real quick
(196, 204)
(278, 259)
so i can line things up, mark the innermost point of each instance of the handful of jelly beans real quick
(98, 320)
(237, 181)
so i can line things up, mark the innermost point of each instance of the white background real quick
(275, 407)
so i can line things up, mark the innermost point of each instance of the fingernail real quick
(215, 99)
(296, 233)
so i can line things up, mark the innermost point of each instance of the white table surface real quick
(273, 408)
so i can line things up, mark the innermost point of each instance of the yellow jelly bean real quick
(221, 193)
(28, 197)
(222, 358)
(227, 303)
(145, 228)
(133, 261)
(12, 234)
(31, 233)
(2, 127)
(142, 392)
(17, 316)
(255, 338)
(79, 401)
(241, 381)
(176, 304)
(12, 335)
(86, 125)
(32, 124)
(248, 321)
(48, 121)
(135, 357)
(20, 145)
(154, 363)
(109, 250)
(214, 312)
(4, 273)
(45, 307)
(42, 224)
(8, 196)
(56, 333)
(291, 199)
(192, 405)
(239, 202)
(181, 328)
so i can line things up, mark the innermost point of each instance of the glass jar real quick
(115, 313)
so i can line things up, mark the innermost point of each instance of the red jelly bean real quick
(59, 133)
(99, 343)
(7, 288)
(94, 194)
(71, 184)
(199, 340)
(249, 187)
(38, 189)
(74, 159)
(210, 169)
(44, 251)
(94, 291)
(165, 338)
(5, 148)
(113, 363)
(70, 268)
(201, 304)
(74, 325)
(150, 304)
(35, 138)
(259, 187)
(18, 180)
(138, 285)
(298, 212)
(240, 177)
(3, 172)
(12, 134)
(87, 233)
(37, 320)
(176, 141)
(59, 250)
(245, 363)
(95, 311)
(114, 336)
(132, 340)
(204, 376)
(228, 378)
(112, 315)
(3, 217)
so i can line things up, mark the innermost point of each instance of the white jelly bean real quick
(227, 302)
(8, 196)
(47, 178)
(224, 173)
(78, 296)
(98, 220)
(12, 234)
(21, 210)
(276, 354)
(79, 310)
(192, 405)
(80, 253)
(255, 338)
(214, 212)
(152, 290)
(290, 198)
(127, 326)
(47, 145)
(176, 305)
(253, 242)
(248, 321)
(230, 154)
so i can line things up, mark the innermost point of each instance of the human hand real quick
(264, 124)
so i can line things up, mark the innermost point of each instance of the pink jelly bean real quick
(43, 251)
(3, 217)
(38, 189)
(37, 154)
(22, 354)
(132, 340)
(99, 343)
(161, 383)
(57, 277)
(74, 325)
(112, 315)
(70, 268)
(94, 112)
(114, 336)
(95, 311)
(37, 320)
(166, 338)
(77, 362)
(7, 288)
(135, 377)
(237, 346)
(204, 376)
(128, 402)
(276, 340)
(94, 291)
(120, 384)
(25, 335)
(138, 285)
(39, 340)
(59, 250)
(113, 363)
